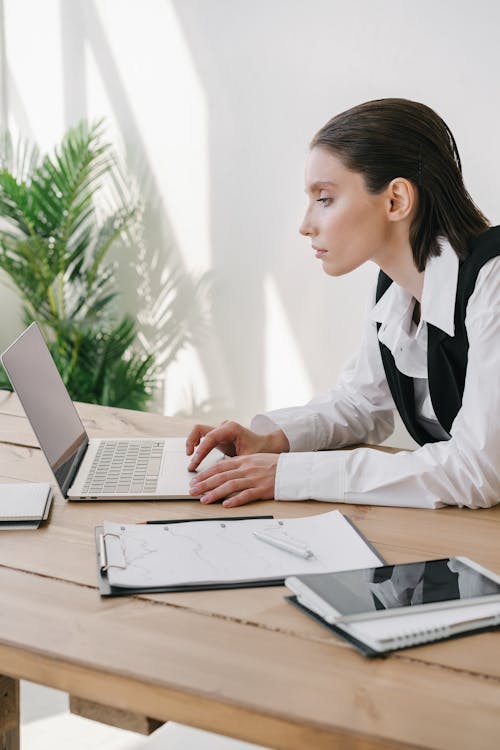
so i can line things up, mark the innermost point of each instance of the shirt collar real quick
(438, 296)
(440, 289)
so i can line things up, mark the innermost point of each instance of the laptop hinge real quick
(75, 462)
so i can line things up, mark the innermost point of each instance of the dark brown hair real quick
(389, 138)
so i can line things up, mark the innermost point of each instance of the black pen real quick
(223, 518)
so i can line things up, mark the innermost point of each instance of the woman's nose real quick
(306, 227)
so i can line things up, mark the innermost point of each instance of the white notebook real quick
(390, 633)
(24, 502)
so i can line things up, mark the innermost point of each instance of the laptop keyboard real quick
(122, 466)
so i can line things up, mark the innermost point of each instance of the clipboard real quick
(157, 566)
(105, 588)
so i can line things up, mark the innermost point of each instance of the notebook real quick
(224, 554)
(24, 505)
(146, 468)
(392, 607)
(378, 637)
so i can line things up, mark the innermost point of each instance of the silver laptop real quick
(147, 468)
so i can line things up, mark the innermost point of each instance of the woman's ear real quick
(402, 199)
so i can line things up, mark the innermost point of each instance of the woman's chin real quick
(336, 268)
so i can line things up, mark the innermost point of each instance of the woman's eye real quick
(324, 201)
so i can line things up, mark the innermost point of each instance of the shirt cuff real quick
(311, 476)
(303, 431)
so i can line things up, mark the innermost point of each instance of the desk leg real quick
(9, 713)
(115, 717)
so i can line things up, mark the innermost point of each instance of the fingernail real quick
(204, 499)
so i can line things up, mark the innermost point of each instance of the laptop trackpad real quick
(175, 477)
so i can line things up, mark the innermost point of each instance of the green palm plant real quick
(59, 216)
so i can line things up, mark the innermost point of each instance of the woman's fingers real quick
(194, 437)
(219, 437)
(232, 439)
(225, 489)
(210, 441)
(212, 477)
(239, 480)
(242, 498)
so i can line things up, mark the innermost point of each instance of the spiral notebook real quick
(379, 637)
(392, 607)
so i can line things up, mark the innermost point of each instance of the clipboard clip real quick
(104, 555)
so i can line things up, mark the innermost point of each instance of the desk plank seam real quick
(448, 667)
(401, 657)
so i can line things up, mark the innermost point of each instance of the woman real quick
(384, 184)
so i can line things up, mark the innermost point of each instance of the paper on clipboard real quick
(151, 556)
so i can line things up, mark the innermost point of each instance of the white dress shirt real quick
(462, 468)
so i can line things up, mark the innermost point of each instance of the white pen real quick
(294, 549)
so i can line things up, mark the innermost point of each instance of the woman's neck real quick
(397, 263)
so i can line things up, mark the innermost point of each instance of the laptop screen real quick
(47, 404)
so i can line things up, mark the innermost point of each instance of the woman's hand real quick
(240, 480)
(233, 440)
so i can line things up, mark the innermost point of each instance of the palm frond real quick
(55, 234)
(111, 229)
(20, 158)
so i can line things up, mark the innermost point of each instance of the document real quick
(218, 553)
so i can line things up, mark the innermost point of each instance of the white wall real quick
(216, 101)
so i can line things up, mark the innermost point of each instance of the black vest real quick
(446, 355)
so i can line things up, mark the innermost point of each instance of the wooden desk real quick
(242, 662)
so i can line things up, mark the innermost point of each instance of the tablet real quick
(385, 590)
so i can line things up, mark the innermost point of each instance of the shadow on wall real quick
(168, 301)
(250, 142)
(166, 293)
(249, 59)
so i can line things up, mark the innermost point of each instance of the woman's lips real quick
(319, 252)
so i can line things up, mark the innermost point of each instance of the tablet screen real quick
(394, 586)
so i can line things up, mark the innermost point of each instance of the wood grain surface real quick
(239, 662)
